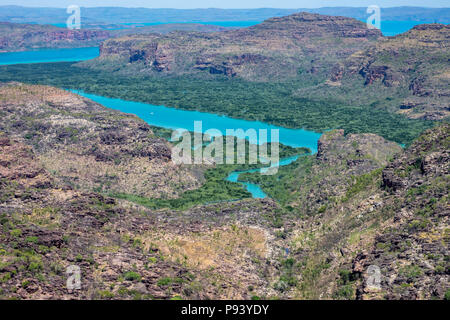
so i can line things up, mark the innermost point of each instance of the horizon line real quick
(216, 8)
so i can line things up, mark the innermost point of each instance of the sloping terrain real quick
(412, 252)
(412, 66)
(123, 251)
(360, 201)
(89, 147)
(315, 181)
(278, 48)
(18, 37)
(54, 148)
(394, 218)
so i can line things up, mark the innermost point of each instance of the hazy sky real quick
(184, 4)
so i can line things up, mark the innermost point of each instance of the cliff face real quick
(17, 37)
(339, 160)
(365, 205)
(415, 62)
(275, 48)
(333, 58)
(399, 226)
(412, 253)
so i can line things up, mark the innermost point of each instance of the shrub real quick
(5, 277)
(164, 281)
(15, 233)
(447, 295)
(32, 239)
(344, 292)
(105, 294)
(132, 276)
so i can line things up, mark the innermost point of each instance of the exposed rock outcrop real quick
(274, 48)
(15, 37)
(90, 146)
(415, 62)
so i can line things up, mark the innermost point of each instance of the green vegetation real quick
(105, 294)
(411, 272)
(361, 182)
(345, 283)
(215, 189)
(166, 281)
(288, 276)
(281, 185)
(447, 295)
(132, 276)
(274, 103)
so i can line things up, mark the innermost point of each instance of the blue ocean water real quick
(393, 28)
(49, 55)
(388, 27)
(172, 118)
(245, 23)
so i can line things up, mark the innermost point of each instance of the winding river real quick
(254, 189)
(172, 118)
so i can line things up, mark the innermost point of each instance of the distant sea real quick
(239, 24)
(49, 55)
(393, 28)
(388, 27)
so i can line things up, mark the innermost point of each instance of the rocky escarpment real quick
(17, 37)
(427, 158)
(90, 147)
(338, 161)
(415, 62)
(389, 239)
(122, 252)
(55, 216)
(275, 48)
(413, 254)
(373, 218)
